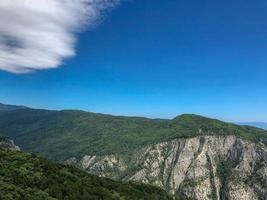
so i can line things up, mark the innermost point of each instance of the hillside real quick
(27, 176)
(59, 135)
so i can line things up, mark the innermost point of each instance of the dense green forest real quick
(25, 176)
(59, 135)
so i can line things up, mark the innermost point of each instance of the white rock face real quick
(204, 167)
(9, 144)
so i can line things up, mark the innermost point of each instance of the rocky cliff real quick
(204, 167)
(8, 144)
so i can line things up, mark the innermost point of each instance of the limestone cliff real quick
(204, 167)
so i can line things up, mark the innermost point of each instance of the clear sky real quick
(160, 58)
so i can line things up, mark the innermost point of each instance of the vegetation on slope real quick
(25, 176)
(2, 139)
(60, 135)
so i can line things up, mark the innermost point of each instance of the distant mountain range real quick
(262, 125)
(5, 107)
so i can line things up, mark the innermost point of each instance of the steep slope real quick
(59, 135)
(204, 167)
(27, 176)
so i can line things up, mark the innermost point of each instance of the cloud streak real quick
(41, 34)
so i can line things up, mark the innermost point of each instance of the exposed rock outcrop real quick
(8, 144)
(204, 167)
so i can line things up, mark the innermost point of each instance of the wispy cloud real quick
(41, 34)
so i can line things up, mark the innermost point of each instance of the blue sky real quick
(159, 58)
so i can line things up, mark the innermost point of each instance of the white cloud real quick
(41, 34)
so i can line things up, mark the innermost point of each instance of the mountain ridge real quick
(79, 132)
(262, 125)
(6, 107)
(256, 124)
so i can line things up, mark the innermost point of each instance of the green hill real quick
(25, 176)
(62, 134)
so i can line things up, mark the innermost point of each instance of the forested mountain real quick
(190, 156)
(59, 135)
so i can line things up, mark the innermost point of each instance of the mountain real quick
(203, 167)
(27, 176)
(5, 107)
(191, 156)
(59, 135)
(262, 125)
